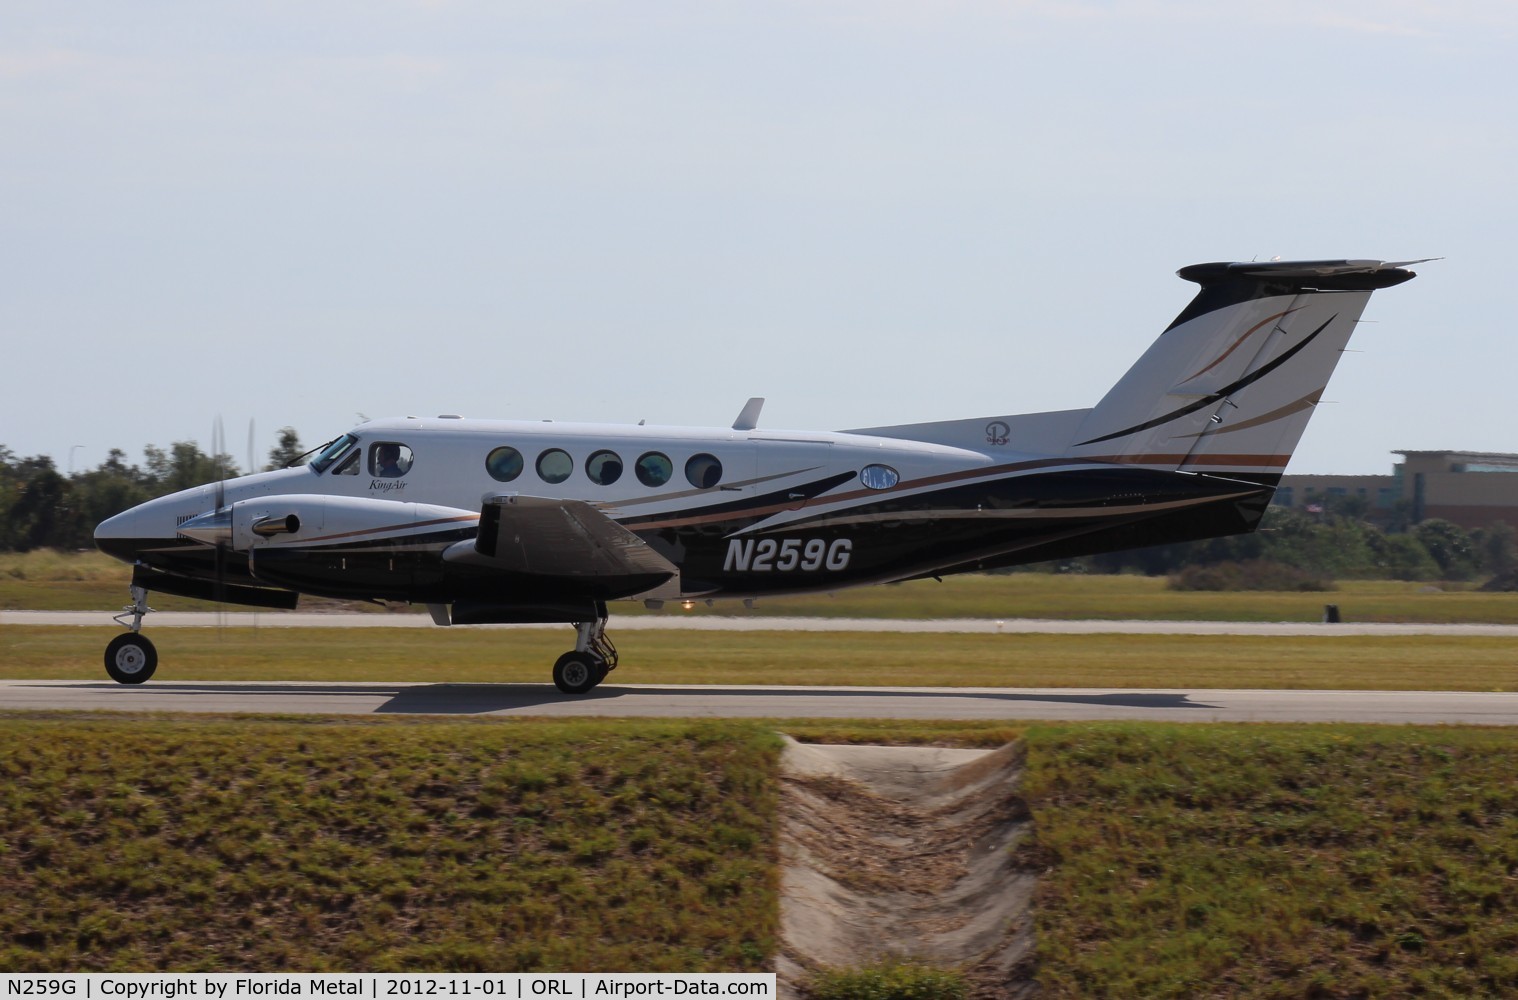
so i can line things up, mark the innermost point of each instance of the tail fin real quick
(1228, 388)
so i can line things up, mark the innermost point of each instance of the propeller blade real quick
(218, 446)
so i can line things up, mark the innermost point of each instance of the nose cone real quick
(152, 525)
(121, 536)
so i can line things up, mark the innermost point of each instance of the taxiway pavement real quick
(686, 701)
(758, 623)
(611, 699)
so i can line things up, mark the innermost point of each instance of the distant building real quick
(1471, 488)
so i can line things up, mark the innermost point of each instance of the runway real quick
(757, 623)
(685, 701)
(1073, 704)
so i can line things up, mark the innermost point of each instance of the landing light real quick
(687, 605)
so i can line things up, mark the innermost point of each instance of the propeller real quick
(224, 470)
(218, 451)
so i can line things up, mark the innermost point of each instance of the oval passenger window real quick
(654, 469)
(504, 464)
(555, 465)
(604, 467)
(703, 471)
(879, 477)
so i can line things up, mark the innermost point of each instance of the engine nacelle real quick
(347, 546)
(312, 520)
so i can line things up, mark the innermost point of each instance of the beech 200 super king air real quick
(490, 521)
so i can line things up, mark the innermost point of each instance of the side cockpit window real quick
(332, 452)
(389, 460)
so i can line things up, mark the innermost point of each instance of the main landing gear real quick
(131, 658)
(593, 657)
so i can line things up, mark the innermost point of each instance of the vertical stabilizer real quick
(1229, 387)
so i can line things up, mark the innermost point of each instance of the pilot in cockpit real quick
(387, 461)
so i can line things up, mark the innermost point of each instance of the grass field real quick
(1176, 861)
(656, 657)
(1322, 861)
(48, 581)
(264, 845)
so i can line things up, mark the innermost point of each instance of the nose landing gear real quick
(131, 658)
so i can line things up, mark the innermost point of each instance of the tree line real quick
(42, 508)
(1341, 542)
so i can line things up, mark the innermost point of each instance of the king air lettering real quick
(774, 555)
(386, 486)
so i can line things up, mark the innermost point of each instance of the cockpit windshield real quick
(333, 452)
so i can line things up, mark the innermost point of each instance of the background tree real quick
(1403, 557)
(1497, 548)
(8, 492)
(106, 490)
(1449, 546)
(184, 465)
(41, 508)
(287, 451)
(40, 514)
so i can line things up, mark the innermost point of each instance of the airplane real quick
(510, 521)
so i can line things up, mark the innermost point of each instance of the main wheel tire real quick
(130, 658)
(576, 673)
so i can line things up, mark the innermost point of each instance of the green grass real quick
(1044, 595)
(46, 581)
(172, 844)
(809, 658)
(1231, 861)
(888, 981)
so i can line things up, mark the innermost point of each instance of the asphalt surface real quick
(757, 623)
(646, 701)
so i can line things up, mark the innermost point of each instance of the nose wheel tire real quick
(577, 673)
(130, 658)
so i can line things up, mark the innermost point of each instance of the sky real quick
(306, 214)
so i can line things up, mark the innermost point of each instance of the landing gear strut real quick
(593, 657)
(131, 658)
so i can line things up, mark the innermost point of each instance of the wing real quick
(563, 539)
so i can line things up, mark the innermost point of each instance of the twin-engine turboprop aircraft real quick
(489, 521)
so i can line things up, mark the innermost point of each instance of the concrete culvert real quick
(905, 853)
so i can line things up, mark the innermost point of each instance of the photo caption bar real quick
(382, 985)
